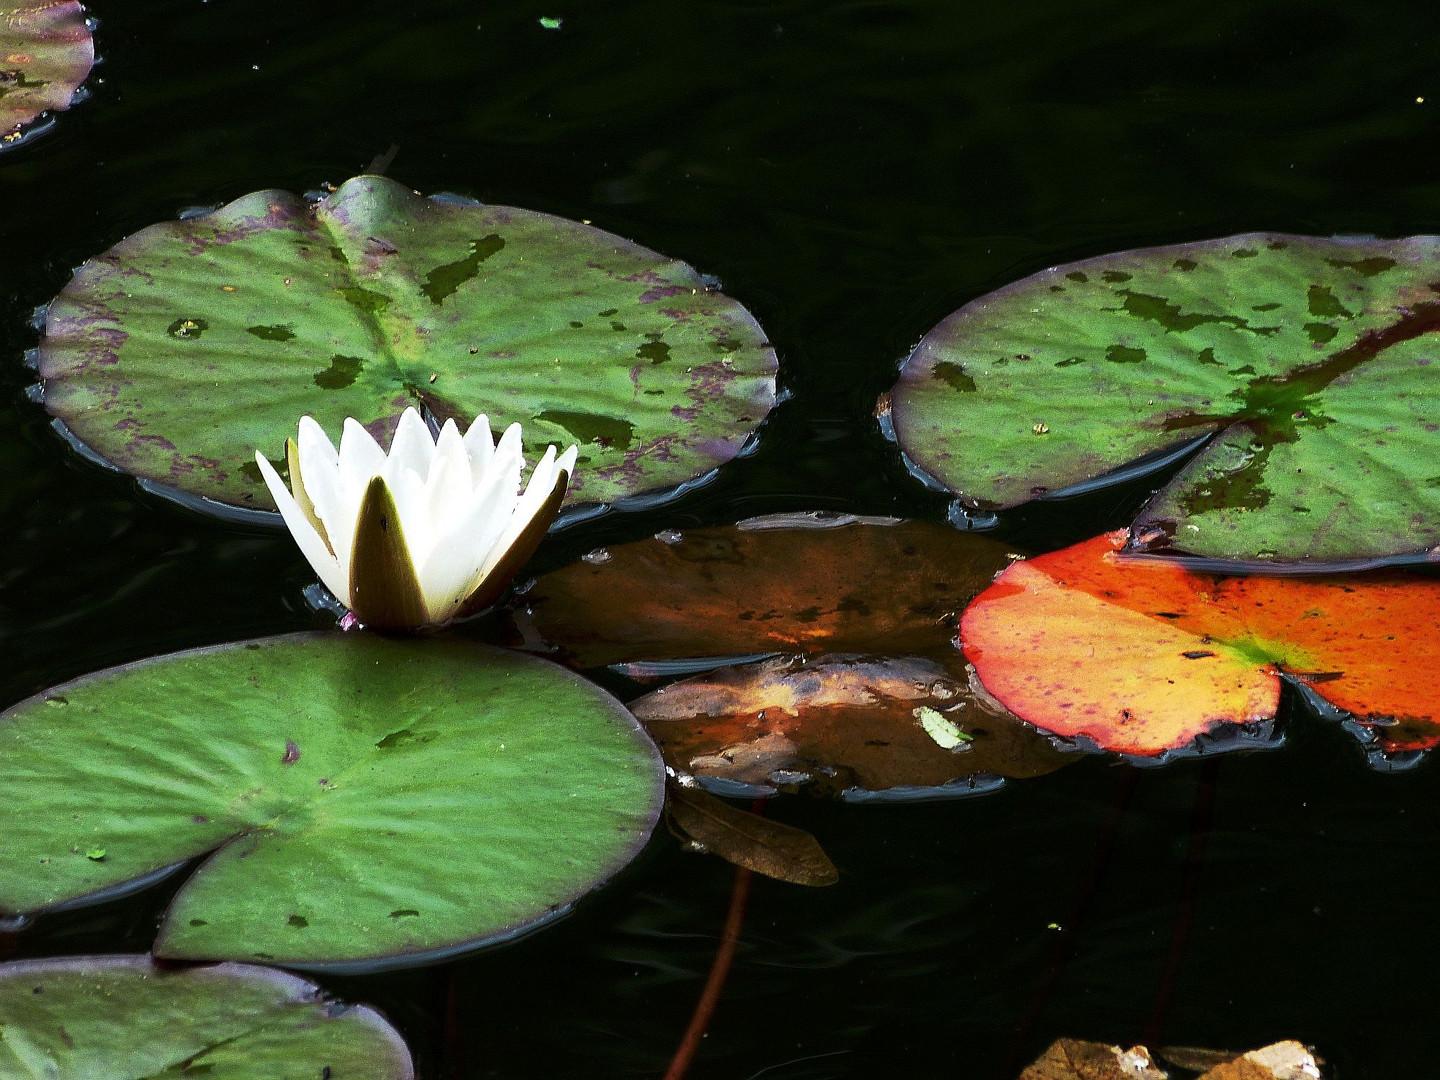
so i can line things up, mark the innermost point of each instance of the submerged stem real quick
(719, 970)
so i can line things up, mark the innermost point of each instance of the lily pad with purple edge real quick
(1299, 370)
(180, 351)
(46, 52)
(127, 1018)
(356, 802)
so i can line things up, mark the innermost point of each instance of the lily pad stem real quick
(719, 970)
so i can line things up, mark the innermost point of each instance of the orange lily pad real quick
(787, 583)
(1146, 656)
(849, 726)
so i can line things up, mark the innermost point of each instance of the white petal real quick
(450, 443)
(509, 450)
(311, 546)
(480, 444)
(500, 485)
(449, 574)
(360, 458)
(408, 490)
(412, 448)
(315, 444)
(320, 472)
(448, 491)
(566, 464)
(542, 483)
(453, 568)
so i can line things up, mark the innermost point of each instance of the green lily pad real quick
(1304, 364)
(124, 1018)
(361, 800)
(46, 52)
(184, 348)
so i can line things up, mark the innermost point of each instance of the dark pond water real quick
(852, 172)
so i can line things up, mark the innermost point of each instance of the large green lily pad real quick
(1307, 362)
(184, 348)
(362, 800)
(124, 1018)
(45, 54)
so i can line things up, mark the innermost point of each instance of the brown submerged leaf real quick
(790, 583)
(749, 840)
(1195, 1058)
(1071, 1059)
(1287, 1060)
(838, 724)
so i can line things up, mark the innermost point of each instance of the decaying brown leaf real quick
(790, 583)
(1287, 1060)
(841, 725)
(749, 840)
(1071, 1059)
(1195, 1059)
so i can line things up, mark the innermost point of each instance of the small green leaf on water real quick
(95, 854)
(550, 23)
(946, 735)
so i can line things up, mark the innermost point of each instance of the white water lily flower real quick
(430, 532)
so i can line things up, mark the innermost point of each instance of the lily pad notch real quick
(360, 802)
(188, 345)
(1301, 368)
(46, 53)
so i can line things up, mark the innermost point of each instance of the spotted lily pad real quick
(45, 54)
(786, 583)
(184, 348)
(845, 726)
(1303, 364)
(360, 800)
(125, 1018)
(1144, 656)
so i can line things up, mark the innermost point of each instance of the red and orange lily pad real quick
(1145, 656)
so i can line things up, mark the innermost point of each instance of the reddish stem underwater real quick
(719, 970)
